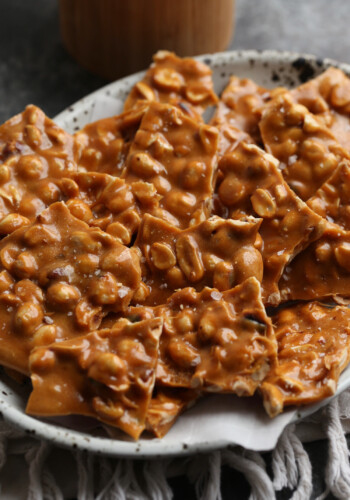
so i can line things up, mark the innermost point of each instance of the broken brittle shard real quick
(183, 82)
(250, 184)
(58, 278)
(178, 156)
(313, 349)
(107, 374)
(217, 253)
(307, 149)
(35, 156)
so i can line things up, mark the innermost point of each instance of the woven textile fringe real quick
(337, 477)
(101, 478)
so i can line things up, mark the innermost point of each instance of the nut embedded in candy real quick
(140, 256)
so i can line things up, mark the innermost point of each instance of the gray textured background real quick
(34, 68)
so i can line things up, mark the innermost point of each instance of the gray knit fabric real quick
(49, 473)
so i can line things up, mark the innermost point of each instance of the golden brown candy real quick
(58, 278)
(107, 374)
(321, 270)
(170, 79)
(166, 406)
(240, 106)
(216, 341)
(230, 137)
(217, 253)
(332, 199)
(213, 341)
(35, 154)
(109, 203)
(308, 151)
(250, 183)
(328, 97)
(313, 349)
(104, 144)
(178, 156)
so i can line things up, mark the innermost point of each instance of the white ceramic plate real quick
(209, 417)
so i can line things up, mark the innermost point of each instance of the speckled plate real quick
(210, 417)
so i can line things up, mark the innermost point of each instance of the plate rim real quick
(214, 58)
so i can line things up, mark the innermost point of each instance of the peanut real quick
(342, 255)
(12, 222)
(25, 265)
(143, 165)
(162, 256)
(28, 317)
(263, 203)
(80, 210)
(45, 335)
(168, 79)
(62, 294)
(247, 263)
(231, 190)
(104, 290)
(183, 354)
(223, 278)
(109, 411)
(189, 258)
(88, 316)
(87, 263)
(193, 174)
(30, 167)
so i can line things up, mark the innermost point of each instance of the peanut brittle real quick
(109, 203)
(308, 151)
(141, 252)
(107, 374)
(104, 144)
(217, 341)
(332, 199)
(313, 349)
(165, 407)
(34, 155)
(321, 270)
(250, 183)
(178, 156)
(230, 137)
(241, 105)
(58, 278)
(173, 80)
(328, 97)
(217, 253)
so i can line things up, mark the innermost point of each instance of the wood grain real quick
(116, 37)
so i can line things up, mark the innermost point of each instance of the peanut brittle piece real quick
(104, 144)
(321, 270)
(34, 155)
(107, 202)
(107, 374)
(58, 278)
(328, 97)
(332, 199)
(217, 253)
(241, 105)
(217, 341)
(250, 183)
(313, 349)
(178, 156)
(165, 407)
(230, 137)
(170, 79)
(308, 151)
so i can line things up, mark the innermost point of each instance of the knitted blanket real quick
(49, 473)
